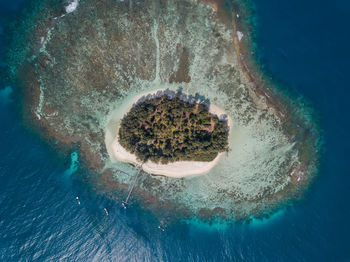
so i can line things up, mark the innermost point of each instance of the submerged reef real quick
(80, 69)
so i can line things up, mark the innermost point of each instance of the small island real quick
(165, 129)
(77, 91)
(170, 134)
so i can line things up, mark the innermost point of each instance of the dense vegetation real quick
(169, 129)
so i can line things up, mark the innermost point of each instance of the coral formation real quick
(84, 68)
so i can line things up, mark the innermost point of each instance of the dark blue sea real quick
(302, 44)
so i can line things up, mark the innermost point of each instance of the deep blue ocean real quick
(302, 44)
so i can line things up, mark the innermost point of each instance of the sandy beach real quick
(176, 169)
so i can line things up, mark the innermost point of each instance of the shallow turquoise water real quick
(303, 45)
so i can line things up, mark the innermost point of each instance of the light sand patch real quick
(176, 169)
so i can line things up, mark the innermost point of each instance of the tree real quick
(167, 130)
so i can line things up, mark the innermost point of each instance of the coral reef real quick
(84, 67)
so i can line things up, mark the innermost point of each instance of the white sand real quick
(175, 169)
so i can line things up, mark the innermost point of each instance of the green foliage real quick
(168, 129)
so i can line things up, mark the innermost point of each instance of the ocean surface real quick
(302, 44)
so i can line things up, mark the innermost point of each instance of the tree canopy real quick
(165, 129)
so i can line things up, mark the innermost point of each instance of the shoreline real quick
(177, 169)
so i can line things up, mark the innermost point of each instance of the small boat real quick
(162, 225)
(124, 204)
(105, 209)
(78, 201)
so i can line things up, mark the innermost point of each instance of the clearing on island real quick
(165, 129)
